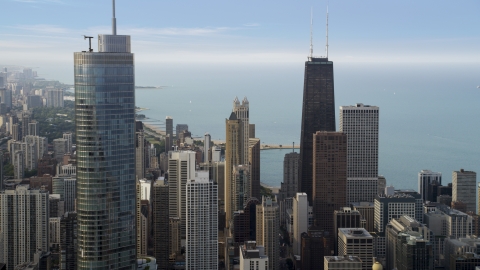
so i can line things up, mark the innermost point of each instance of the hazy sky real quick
(45, 33)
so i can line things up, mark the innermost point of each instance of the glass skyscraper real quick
(105, 138)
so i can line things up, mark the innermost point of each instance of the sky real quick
(44, 34)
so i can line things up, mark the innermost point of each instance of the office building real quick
(346, 262)
(68, 241)
(207, 140)
(315, 245)
(23, 225)
(60, 149)
(356, 242)
(142, 215)
(232, 158)
(413, 251)
(300, 220)
(34, 102)
(330, 177)
(181, 168)
(252, 256)
(161, 219)
(318, 113)
(175, 235)
(55, 98)
(464, 185)
(242, 113)
(367, 211)
(465, 261)
(241, 186)
(105, 139)
(345, 218)
(456, 248)
(254, 163)
(140, 148)
(202, 218)
(169, 127)
(388, 207)
(268, 229)
(289, 186)
(360, 123)
(411, 227)
(218, 176)
(425, 178)
(449, 222)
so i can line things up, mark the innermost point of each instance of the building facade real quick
(464, 188)
(268, 229)
(356, 242)
(425, 179)
(161, 232)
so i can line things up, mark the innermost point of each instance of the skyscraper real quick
(254, 163)
(300, 221)
(425, 178)
(206, 146)
(289, 186)
(202, 218)
(68, 136)
(268, 228)
(55, 98)
(161, 226)
(318, 112)
(232, 158)
(360, 123)
(329, 178)
(105, 130)
(140, 148)
(168, 133)
(464, 188)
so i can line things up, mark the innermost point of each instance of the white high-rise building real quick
(206, 146)
(41, 144)
(268, 229)
(24, 225)
(216, 153)
(252, 256)
(181, 168)
(145, 189)
(464, 188)
(242, 113)
(300, 220)
(68, 137)
(18, 165)
(426, 177)
(360, 123)
(202, 221)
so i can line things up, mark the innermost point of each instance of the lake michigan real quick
(429, 113)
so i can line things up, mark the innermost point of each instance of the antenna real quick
(89, 43)
(326, 46)
(114, 20)
(311, 35)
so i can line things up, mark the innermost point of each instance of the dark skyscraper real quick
(105, 129)
(318, 112)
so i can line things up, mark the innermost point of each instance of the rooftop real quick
(355, 232)
(346, 258)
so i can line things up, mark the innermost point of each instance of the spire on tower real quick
(326, 46)
(114, 20)
(311, 35)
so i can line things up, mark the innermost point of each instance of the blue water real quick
(429, 116)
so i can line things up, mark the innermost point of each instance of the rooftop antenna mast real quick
(89, 43)
(114, 20)
(311, 35)
(326, 46)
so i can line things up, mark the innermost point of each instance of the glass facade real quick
(105, 130)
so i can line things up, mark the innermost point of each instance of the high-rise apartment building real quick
(242, 110)
(289, 186)
(356, 242)
(425, 179)
(254, 163)
(140, 148)
(33, 128)
(300, 221)
(464, 188)
(207, 139)
(318, 114)
(41, 145)
(68, 136)
(232, 158)
(105, 138)
(268, 229)
(24, 225)
(360, 123)
(60, 149)
(55, 98)
(202, 218)
(329, 177)
(18, 165)
(181, 168)
(161, 226)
